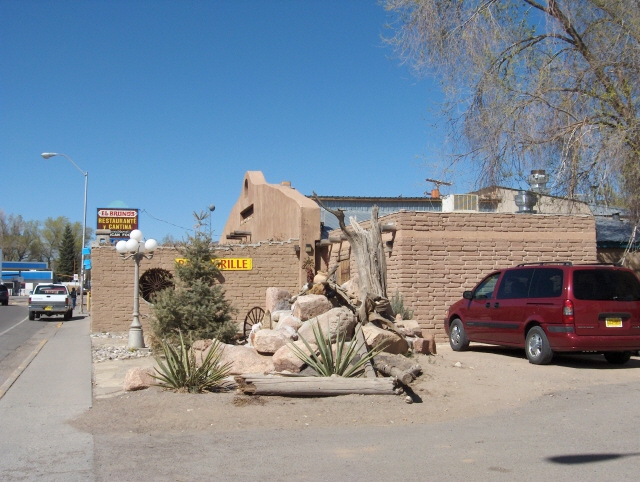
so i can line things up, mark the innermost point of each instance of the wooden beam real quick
(256, 384)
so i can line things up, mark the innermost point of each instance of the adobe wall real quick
(436, 256)
(273, 211)
(274, 264)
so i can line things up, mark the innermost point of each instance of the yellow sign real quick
(228, 264)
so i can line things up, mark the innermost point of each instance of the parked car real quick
(4, 295)
(547, 308)
(50, 299)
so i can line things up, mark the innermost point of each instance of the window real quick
(247, 213)
(605, 284)
(51, 290)
(546, 283)
(515, 284)
(485, 289)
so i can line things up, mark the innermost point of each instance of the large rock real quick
(286, 360)
(308, 306)
(280, 314)
(289, 320)
(277, 299)
(244, 359)
(328, 323)
(139, 379)
(393, 343)
(351, 287)
(426, 346)
(269, 341)
(411, 325)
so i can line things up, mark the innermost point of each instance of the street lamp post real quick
(47, 155)
(211, 209)
(134, 248)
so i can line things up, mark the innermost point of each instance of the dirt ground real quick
(488, 380)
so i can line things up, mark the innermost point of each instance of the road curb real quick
(18, 371)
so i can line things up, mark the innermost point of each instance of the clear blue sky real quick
(167, 103)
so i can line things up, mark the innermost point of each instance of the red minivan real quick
(552, 307)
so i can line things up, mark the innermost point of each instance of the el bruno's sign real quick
(227, 264)
(120, 221)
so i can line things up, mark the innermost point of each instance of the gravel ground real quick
(113, 346)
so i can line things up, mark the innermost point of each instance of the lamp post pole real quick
(47, 155)
(136, 249)
(211, 209)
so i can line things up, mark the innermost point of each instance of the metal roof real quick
(612, 233)
(359, 208)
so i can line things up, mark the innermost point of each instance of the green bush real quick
(179, 370)
(397, 305)
(197, 306)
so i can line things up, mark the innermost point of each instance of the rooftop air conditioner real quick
(460, 203)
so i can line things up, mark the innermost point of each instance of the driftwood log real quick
(393, 366)
(256, 384)
(368, 251)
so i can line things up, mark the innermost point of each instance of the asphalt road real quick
(585, 434)
(19, 336)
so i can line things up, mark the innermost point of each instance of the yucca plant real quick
(180, 372)
(345, 362)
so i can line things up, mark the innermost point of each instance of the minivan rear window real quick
(605, 284)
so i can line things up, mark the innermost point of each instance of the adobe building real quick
(437, 247)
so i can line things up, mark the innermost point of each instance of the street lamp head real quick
(47, 155)
(151, 245)
(212, 207)
(121, 246)
(132, 245)
(136, 234)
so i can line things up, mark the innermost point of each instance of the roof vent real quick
(460, 203)
(286, 183)
(525, 200)
(538, 180)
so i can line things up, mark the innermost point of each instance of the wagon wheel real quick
(254, 317)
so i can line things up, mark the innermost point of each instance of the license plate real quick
(613, 322)
(49, 308)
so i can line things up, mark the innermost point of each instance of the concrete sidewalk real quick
(37, 443)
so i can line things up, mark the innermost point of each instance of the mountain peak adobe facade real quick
(274, 212)
(433, 256)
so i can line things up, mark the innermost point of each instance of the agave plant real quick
(346, 362)
(180, 372)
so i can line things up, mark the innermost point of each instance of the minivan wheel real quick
(537, 347)
(617, 357)
(457, 337)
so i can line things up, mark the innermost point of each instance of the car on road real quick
(548, 308)
(4, 295)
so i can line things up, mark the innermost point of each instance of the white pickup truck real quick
(50, 299)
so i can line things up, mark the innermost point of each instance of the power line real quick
(163, 221)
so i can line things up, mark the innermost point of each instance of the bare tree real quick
(547, 84)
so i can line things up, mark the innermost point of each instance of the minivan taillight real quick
(567, 312)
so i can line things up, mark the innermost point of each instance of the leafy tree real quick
(66, 264)
(534, 84)
(197, 306)
(19, 239)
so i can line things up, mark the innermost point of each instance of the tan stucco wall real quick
(545, 204)
(436, 256)
(279, 213)
(274, 264)
(614, 255)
